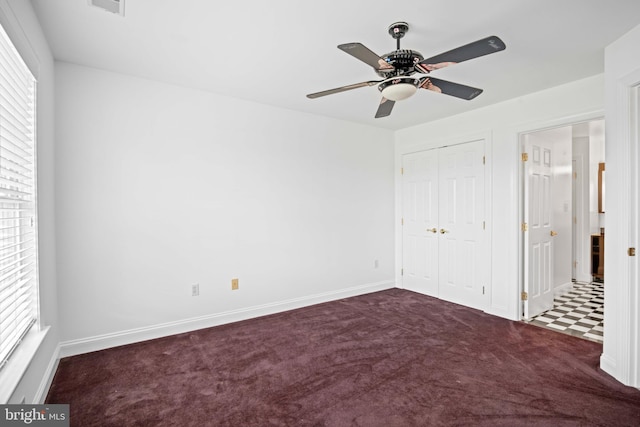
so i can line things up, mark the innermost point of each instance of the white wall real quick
(503, 122)
(596, 156)
(160, 187)
(582, 241)
(20, 22)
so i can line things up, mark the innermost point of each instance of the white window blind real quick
(18, 245)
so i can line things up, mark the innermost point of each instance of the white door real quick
(462, 247)
(420, 222)
(538, 232)
(444, 238)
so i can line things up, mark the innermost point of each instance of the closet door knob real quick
(553, 233)
(433, 230)
(442, 231)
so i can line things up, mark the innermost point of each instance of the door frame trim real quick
(620, 353)
(518, 134)
(544, 300)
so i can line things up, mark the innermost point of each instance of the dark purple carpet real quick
(391, 358)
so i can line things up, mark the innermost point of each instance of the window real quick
(18, 242)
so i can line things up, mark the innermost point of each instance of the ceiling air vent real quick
(113, 6)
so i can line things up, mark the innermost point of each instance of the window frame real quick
(15, 364)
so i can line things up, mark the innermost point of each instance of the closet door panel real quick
(420, 219)
(462, 235)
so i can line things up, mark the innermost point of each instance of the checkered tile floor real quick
(580, 312)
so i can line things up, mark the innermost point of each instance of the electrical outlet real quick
(234, 284)
(195, 290)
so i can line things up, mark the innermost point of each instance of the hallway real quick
(580, 312)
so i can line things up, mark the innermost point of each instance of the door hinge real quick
(525, 226)
(484, 160)
(575, 264)
(484, 225)
(402, 271)
(401, 221)
(401, 171)
(483, 290)
(524, 296)
(575, 175)
(525, 157)
(631, 251)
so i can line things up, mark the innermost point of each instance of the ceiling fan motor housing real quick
(403, 60)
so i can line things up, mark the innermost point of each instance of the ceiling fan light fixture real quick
(399, 88)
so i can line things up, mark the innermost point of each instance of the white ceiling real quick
(275, 52)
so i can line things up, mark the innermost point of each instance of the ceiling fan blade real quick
(450, 88)
(361, 52)
(385, 107)
(476, 49)
(343, 89)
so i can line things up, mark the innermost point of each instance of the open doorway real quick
(563, 225)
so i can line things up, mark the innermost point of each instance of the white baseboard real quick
(504, 313)
(585, 278)
(608, 365)
(562, 289)
(101, 342)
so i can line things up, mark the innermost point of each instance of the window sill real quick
(12, 372)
